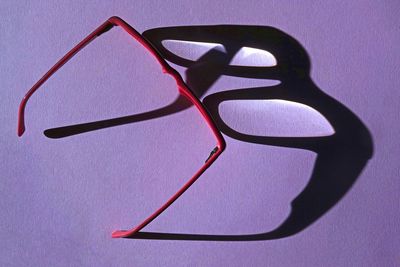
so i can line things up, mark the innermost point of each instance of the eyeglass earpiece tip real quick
(21, 130)
(119, 233)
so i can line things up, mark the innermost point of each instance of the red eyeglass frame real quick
(166, 68)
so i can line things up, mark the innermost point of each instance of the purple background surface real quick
(62, 198)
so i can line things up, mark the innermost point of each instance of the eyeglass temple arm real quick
(106, 26)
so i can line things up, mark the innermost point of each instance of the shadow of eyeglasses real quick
(341, 157)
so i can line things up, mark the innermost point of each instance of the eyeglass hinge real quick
(109, 27)
(212, 153)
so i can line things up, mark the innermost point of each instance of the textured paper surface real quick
(61, 199)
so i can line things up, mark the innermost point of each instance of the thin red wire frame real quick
(166, 68)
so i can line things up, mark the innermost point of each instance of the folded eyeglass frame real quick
(182, 88)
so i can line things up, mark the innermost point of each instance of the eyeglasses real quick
(183, 89)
